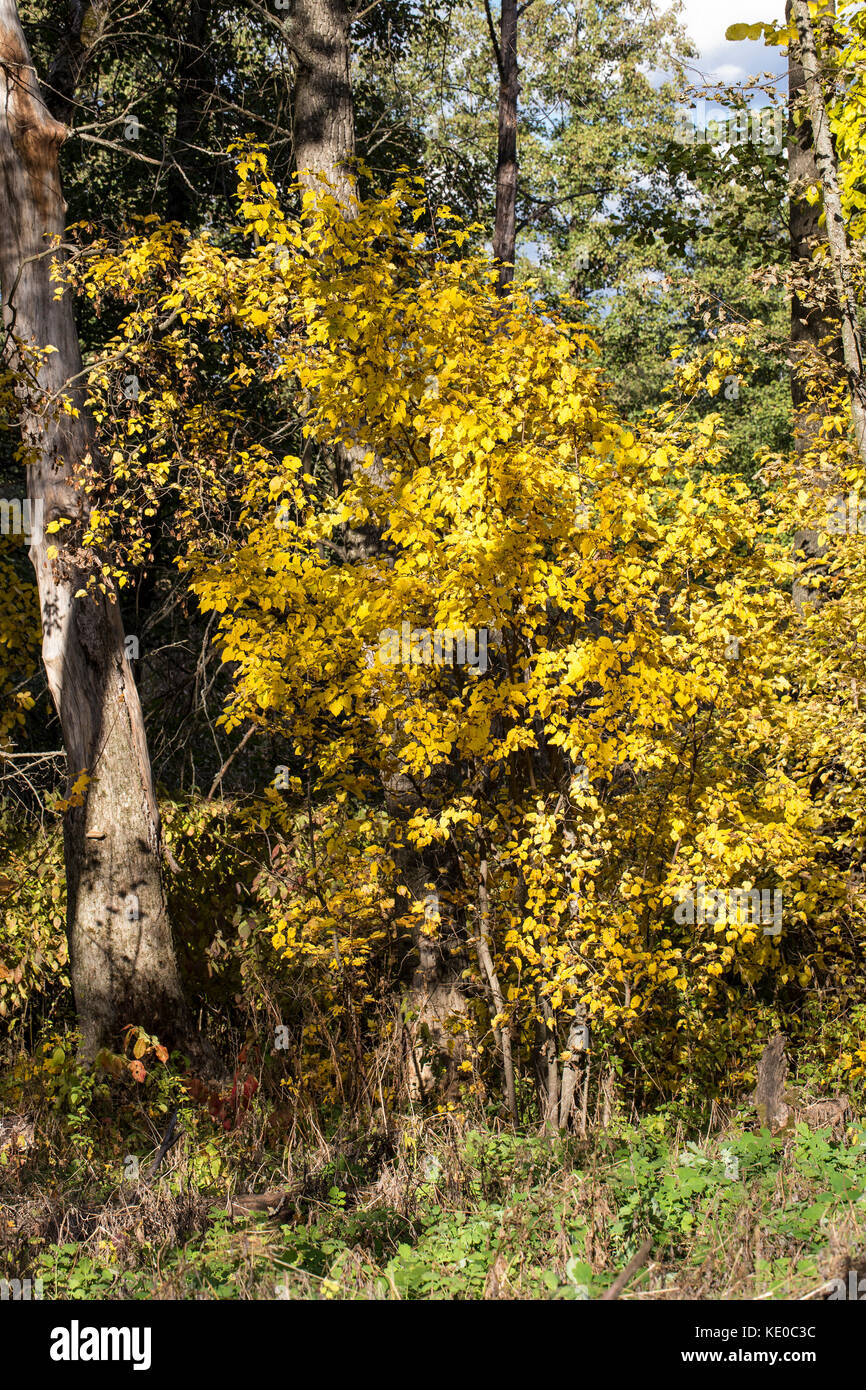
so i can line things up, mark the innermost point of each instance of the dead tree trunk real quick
(122, 958)
(505, 227)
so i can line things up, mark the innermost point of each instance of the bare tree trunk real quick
(323, 116)
(485, 957)
(546, 1063)
(194, 82)
(578, 1042)
(69, 63)
(323, 129)
(815, 337)
(122, 957)
(435, 993)
(840, 256)
(505, 228)
(812, 323)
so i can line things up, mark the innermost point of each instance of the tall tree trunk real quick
(323, 131)
(816, 340)
(323, 124)
(122, 957)
(840, 256)
(812, 322)
(502, 1033)
(546, 1061)
(194, 82)
(323, 115)
(504, 247)
(505, 226)
(70, 60)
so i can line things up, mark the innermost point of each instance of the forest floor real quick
(440, 1204)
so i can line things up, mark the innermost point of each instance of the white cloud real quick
(721, 61)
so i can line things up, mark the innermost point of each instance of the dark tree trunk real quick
(505, 227)
(194, 84)
(497, 997)
(122, 957)
(70, 60)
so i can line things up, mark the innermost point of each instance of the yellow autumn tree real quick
(569, 638)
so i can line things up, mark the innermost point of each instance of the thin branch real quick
(359, 14)
(493, 39)
(121, 149)
(228, 762)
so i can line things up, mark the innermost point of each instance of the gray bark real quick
(576, 1045)
(122, 958)
(546, 1061)
(323, 118)
(769, 1095)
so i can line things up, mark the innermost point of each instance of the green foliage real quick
(33, 949)
(489, 1215)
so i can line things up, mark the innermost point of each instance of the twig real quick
(229, 760)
